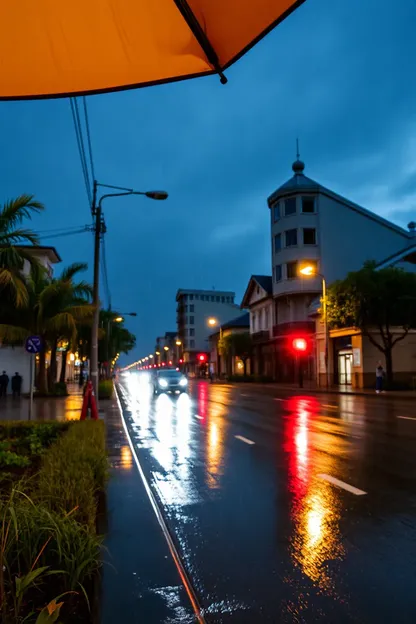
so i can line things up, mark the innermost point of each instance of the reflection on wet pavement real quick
(262, 536)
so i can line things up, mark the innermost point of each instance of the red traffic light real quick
(202, 357)
(300, 345)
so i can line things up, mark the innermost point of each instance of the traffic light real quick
(300, 345)
(202, 357)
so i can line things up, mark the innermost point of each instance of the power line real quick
(87, 126)
(81, 148)
(87, 228)
(61, 229)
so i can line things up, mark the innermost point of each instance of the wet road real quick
(284, 508)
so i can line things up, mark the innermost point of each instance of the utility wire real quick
(81, 148)
(80, 231)
(87, 126)
(61, 229)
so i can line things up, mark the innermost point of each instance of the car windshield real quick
(169, 373)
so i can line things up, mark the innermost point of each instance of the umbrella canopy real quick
(52, 48)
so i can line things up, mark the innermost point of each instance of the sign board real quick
(33, 344)
(356, 357)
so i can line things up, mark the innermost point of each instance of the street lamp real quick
(99, 229)
(309, 270)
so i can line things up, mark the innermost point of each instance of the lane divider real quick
(406, 417)
(172, 548)
(243, 439)
(342, 484)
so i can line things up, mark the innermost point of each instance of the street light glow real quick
(118, 319)
(212, 321)
(151, 356)
(308, 270)
(166, 348)
(157, 352)
(178, 343)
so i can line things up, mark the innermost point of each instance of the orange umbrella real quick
(52, 48)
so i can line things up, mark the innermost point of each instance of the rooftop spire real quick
(298, 166)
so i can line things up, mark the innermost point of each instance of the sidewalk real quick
(310, 388)
(56, 408)
(141, 582)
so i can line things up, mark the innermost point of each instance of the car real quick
(169, 380)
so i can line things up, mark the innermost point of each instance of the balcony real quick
(303, 327)
(260, 336)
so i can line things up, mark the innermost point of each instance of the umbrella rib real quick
(201, 37)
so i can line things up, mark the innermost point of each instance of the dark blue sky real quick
(338, 73)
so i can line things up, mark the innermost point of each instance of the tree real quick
(54, 309)
(12, 257)
(235, 345)
(381, 303)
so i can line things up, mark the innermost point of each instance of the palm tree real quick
(12, 257)
(54, 308)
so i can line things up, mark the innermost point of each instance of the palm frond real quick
(81, 312)
(69, 272)
(12, 333)
(62, 324)
(15, 210)
(19, 236)
(15, 284)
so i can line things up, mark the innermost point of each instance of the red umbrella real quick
(52, 48)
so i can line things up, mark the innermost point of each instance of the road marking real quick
(279, 399)
(330, 406)
(342, 484)
(243, 439)
(407, 417)
(199, 417)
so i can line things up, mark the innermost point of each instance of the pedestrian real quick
(211, 372)
(16, 385)
(379, 377)
(4, 382)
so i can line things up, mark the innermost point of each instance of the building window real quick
(276, 212)
(196, 297)
(308, 204)
(185, 297)
(191, 320)
(292, 270)
(192, 344)
(212, 298)
(191, 297)
(309, 236)
(266, 318)
(291, 238)
(290, 206)
(278, 272)
(192, 308)
(217, 299)
(192, 332)
(254, 322)
(277, 243)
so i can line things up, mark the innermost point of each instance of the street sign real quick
(33, 344)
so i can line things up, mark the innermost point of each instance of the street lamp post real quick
(178, 346)
(214, 322)
(310, 271)
(98, 231)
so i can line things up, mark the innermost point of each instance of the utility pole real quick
(96, 211)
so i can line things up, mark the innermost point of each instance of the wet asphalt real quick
(245, 480)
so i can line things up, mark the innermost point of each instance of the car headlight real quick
(183, 382)
(163, 383)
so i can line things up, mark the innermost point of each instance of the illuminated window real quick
(290, 206)
(291, 270)
(309, 236)
(291, 238)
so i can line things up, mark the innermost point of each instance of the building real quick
(166, 349)
(198, 313)
(233, 365)
(258, 298)
(15, 359)
(352, 357)
(310, 225)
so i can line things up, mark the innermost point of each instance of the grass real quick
(105, 389)
(49, 547)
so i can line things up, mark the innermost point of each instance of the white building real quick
(311, 224)
(198, 313)
(15, 359)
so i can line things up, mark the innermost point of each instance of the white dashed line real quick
(243, 439)
(342, 484)
(199, 417)
(407, 417)
(330, 406)
(278, 399)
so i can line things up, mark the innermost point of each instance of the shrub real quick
(73, 470)
(59, 389)
(9, 459)
(105, 389)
